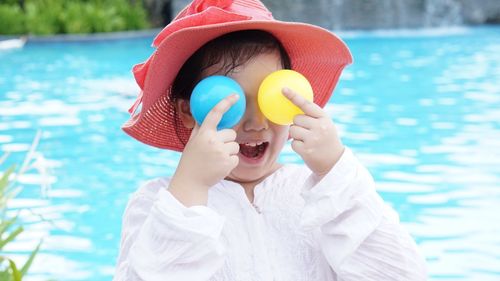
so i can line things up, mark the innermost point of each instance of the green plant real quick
(44, 17)
(12, 2)
(9, 229)
(104, 18)
(13, 20)
(134, 15)
(75, 19)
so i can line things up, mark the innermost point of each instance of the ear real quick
(184, 112)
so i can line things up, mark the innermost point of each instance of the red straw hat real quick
(315, 52)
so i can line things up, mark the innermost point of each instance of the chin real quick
(244, 174)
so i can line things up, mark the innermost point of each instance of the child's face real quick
(260, 140)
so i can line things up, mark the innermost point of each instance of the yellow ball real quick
(273, 104)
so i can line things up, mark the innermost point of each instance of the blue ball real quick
(210, 91)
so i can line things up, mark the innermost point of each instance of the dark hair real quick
(233, 49)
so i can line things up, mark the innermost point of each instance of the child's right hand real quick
(208, 157)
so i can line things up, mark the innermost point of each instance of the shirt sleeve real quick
(164, 240)
(359, 235)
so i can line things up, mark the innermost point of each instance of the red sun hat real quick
(315, 52)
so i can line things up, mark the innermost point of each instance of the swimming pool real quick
(421, 109)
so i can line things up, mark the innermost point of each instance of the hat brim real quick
(315, 52)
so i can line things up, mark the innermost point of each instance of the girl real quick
(231, 211)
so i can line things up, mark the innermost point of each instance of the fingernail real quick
(285, 90)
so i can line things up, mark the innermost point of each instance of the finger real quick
(298, 146)
(226, 135)
(308, 107)
(304, 121)
(215, 114)
(232, 148)
(234, 160)
(299, 133)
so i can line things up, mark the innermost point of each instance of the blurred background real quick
(420, 106)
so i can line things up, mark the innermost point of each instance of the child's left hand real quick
(314, 135)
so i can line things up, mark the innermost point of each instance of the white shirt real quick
(299, 228)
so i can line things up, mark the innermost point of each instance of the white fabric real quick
(300, 228)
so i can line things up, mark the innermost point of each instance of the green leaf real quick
(8, 190)
(5, 275)
(15, 273)
(6, 224)
(28, 263)
(4, 181)
(11, 236)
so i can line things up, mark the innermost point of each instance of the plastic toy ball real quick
(273, 104)
(210, 91)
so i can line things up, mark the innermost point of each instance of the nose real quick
(254, 120)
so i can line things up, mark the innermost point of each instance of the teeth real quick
(254, 143)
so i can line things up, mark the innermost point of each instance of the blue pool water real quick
(421, 109)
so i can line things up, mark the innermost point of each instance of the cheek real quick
(281, 134)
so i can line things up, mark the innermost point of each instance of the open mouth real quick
(253, 150)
